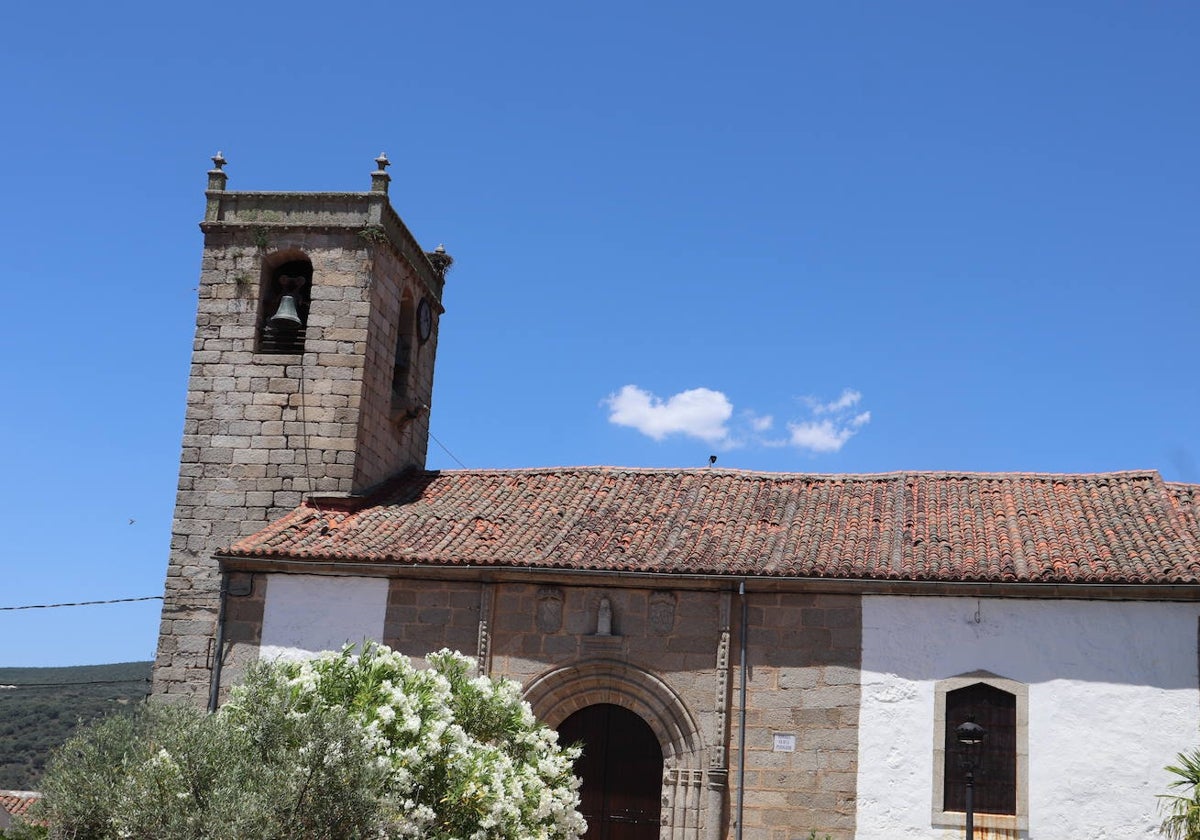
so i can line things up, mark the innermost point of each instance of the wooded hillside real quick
(41, 707)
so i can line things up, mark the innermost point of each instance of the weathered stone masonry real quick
(804, 653)
(262, 430)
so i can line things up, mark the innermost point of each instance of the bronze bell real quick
(286, 317)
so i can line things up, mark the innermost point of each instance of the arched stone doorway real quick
(621, 769)
(559, 693)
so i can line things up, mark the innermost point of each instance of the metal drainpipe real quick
(214, 687)
(741, 797)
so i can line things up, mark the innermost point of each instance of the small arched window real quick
(404, 350)
(996, 783)
(1000, 763)
(283, 311)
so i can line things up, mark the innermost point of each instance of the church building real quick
(745, 655)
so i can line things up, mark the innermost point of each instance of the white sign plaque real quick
(784, 742)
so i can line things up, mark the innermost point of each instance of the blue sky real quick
(805, 237)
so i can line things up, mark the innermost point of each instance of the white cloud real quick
(848, 399)
(819, 435)
(707, 414)
(835, 426)
(760, 422)
(699, 413)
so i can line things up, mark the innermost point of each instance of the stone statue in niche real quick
(604, 617)
(549, 609)
(662, 612)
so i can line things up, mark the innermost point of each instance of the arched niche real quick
(285, 294)
(405, 350)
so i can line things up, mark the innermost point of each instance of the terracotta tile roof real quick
(18, 802)
(1115, 528)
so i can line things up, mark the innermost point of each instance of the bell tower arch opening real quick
(284, 297)
(402, 365)
(283, 300)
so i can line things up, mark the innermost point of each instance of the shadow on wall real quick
(1119, 642)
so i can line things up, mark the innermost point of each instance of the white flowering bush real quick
(356, 744)
(464, 757)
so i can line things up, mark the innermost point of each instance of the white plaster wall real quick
(306, 614)
(1113, 696)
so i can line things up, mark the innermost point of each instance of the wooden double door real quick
(621, 768)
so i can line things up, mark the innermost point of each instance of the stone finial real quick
(380, 178)
(440, 260)
(217, 176)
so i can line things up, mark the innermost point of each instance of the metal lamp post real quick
(970, 734)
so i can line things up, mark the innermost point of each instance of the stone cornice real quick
(333, 211)
(754, 585)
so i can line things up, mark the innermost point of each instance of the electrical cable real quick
(131, 680)
(84, 603)
(312, 485)
(447, 451)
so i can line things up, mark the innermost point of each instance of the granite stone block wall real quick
(672, 657)
(803, 685)
(262, 431)
(426, 616)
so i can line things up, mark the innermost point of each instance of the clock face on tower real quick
(424, 320)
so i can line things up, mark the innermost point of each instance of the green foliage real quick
(347, 746)
(812, 835)
(373, 234)
(173, 771)
(44, 707)
(25, 831)
(1182, 820)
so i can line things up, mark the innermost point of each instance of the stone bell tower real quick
(312, 373)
